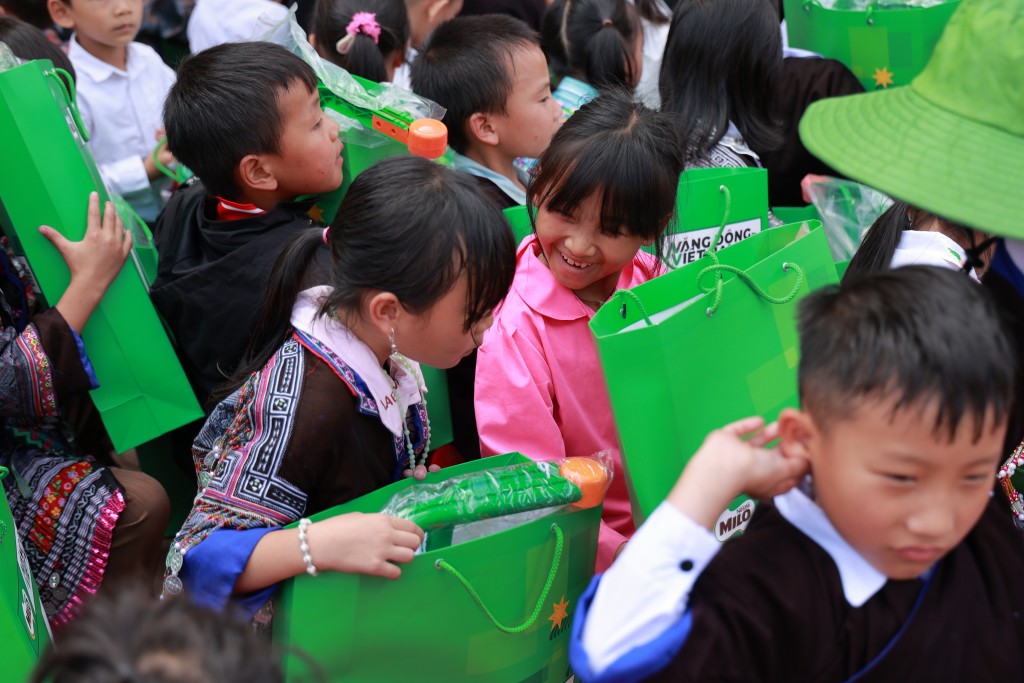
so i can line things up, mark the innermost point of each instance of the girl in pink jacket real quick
(606, 187)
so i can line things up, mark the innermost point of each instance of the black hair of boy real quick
(28, 42)
(899, 336)
(722, 62)
(366, 56)
(467, 66)
(30, 11)
(599, 36)
(224, 106)
(622, 149)
(131, 636)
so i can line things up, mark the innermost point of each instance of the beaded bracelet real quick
(304, 546)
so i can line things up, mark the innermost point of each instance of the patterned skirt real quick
(65, 509)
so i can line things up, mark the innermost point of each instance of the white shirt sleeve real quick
(647, 589)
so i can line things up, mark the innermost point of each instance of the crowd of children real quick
(882, 549)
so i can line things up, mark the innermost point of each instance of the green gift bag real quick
(495, 609)
(518, 218)
(699, 211)
(686, 353)
(23, 628)
(46, 176)
(884, 46)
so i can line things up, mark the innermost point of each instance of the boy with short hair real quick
(121, 89)
(892, 562)
(490, 74)
(246, 118)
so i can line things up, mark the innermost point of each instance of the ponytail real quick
(880, 242)
(361, 36)
(599, 38)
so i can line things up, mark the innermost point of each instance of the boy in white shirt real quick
(121, 90)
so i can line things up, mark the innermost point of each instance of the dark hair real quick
(365, 57)
(31, 11)
(918, 336)
(131, 636)
(28, 42)
(722, 62)
(224, 105)
(882, 239)
(599, 37)
(551, 39)
(416, 248)
(623, 151)
(467, 66)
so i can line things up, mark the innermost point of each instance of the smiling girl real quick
(606, 187)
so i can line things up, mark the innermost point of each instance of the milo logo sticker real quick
(732, 522)
(28, 608)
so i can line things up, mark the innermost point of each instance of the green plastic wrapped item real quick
(885, 45)
(699, 206)
(23, 627)
(504, 491)
(497, 609)
(46, 177)
(702, 346)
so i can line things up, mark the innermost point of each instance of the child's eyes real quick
(319, 123)
(977, 478)
(899, 478)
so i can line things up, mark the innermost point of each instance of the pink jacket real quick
(539, 385)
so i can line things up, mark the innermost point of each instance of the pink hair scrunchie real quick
(362, 22)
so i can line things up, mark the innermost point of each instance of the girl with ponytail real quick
(329, 403)
(367, 38)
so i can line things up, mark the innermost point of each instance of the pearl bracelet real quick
(304, 546)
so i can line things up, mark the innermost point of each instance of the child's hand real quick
(94, 262)
(726, 465)
(807, 181)
(364, 544)
(420, 472)
(165, 157)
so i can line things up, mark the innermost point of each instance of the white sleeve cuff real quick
(647, 589)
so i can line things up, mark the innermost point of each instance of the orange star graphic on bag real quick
(560, 614)
(316, 213)
(883, 77)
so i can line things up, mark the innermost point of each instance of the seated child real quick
(893, 560)
(82, 527)
(330, 404)
(121, 89)
(246, 118)
(606, 188)
(367, 38)
(490, 74)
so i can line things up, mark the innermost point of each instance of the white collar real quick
(859, 578)
(93, 66)
(393, 393)
(464, 163)
(929, 248)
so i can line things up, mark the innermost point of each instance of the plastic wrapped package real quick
(847, 209)
(482, 503)
(864, 5)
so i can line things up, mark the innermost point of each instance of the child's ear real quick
(437, 11)
(312, 41)
(61, 13)
(798, 434)
(384, 311)
(254, 173)
(481, 127)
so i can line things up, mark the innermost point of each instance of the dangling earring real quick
(910, 221)
(394, 346)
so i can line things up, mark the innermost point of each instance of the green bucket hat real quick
(951, 142)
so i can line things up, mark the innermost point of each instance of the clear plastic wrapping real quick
(864, 5)
(7, 58)
(847, 209)
(481, 503)
(372, 97)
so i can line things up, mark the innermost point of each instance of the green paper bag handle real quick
(442, 565)
(718, 268)
(869, 12)
(3, 473)
(179, 176)
(67, 87)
